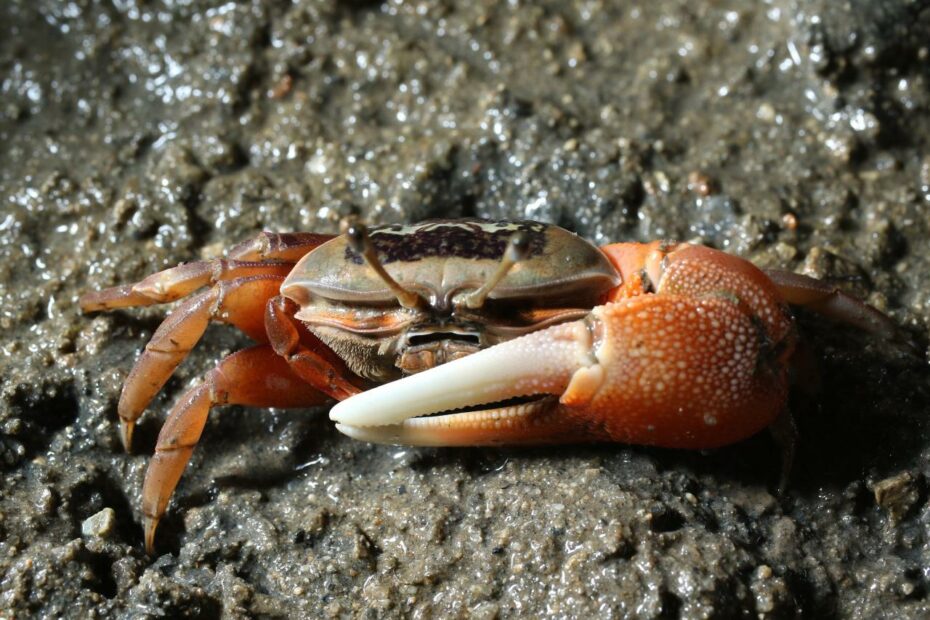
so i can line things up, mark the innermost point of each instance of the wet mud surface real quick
(137, 135)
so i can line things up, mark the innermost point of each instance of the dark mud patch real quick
(40, 411)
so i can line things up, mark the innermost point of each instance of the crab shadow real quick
(866, 414)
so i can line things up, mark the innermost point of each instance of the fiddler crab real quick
(509, 332)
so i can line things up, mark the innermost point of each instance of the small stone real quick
(842, 146)
(766, 113)
(701, 184)
(100, 524)
(823, 264)
(576, 54)
(897, 494)
(785, 251)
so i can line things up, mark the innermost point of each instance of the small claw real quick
(557, 361)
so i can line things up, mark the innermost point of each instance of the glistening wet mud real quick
(137, 135)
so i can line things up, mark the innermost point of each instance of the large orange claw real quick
(659, 370)
(692, 353)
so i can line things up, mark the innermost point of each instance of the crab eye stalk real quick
(517, 248)
(361, 244)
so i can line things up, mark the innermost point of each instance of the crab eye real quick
(360, 242)
(517, 249)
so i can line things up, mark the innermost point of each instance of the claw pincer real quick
(690, 353)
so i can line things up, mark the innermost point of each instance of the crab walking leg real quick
(266, 254)
(309, 358)
(256, 376)
(664, 370)
(239, 302)
(173, 284)
(827, 300)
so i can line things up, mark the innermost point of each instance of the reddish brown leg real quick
(173, 284)
(829, 301)
(256, 376)
(309, 358)
(239, 302)
(266, 254)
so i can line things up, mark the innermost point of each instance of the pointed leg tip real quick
(94, 301)
(87, 303)
(125, 434)
(151, 524)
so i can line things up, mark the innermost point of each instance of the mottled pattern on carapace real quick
(470, 238)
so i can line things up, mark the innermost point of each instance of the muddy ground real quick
(136, 135)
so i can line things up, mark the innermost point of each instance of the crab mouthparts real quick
(513, 385)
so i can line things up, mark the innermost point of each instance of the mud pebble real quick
(100, 524)
(897, 494)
